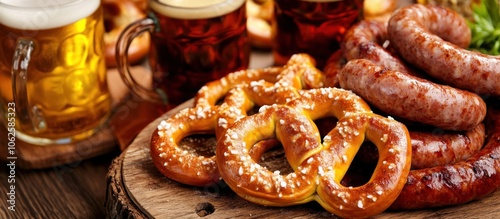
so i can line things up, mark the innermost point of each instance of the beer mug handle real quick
(26, 114)
(124, 40)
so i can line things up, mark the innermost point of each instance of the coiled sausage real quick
(412, 98)
(433, 38)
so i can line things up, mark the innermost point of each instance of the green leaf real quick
(485, 27)
(493, 11)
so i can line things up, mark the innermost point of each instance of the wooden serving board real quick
(136, 189)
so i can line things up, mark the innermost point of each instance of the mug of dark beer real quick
(315, 27)
(52, 70)
(193, 42)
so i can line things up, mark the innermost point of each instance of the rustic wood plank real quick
(75, 190)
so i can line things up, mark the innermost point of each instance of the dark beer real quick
(313, 27)
(201, 43)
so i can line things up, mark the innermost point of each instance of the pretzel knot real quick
(241, 91)
(318, 165)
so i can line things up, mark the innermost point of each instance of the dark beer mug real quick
(315, 27)
(193, 42)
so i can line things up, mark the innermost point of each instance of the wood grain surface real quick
(74, 190)
(136, 189)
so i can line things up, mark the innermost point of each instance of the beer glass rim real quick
(15, 5)
(196, 11)
(44, 14)
(222, 2)
(322, 0)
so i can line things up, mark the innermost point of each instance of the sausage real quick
(433, 39)
(332, 68)
(430, 149)
(368, 40)
(405, 96)
(457, 183)
(436, 148)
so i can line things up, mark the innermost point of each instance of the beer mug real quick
(52, 70)
(193, 42)
(315, 27)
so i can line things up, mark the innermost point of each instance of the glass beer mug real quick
(52, 70)
(193, 42)
(315, 27)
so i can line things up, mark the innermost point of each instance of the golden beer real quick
(65, 95)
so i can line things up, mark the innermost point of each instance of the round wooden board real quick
(137, 190)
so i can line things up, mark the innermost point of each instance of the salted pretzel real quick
(117, 15)
(208, 117)
(213, 91)
(318, 165)
(299, 73)
(182, 165)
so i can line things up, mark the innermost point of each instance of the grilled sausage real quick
(405, 96)
(433, 38)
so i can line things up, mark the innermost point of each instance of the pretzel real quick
(379, 10)
(182, 165)
(208, 117)
(388, 178)
(117, 15)
(318, 166)
(309, 77)
(259, 19)
(213, 91)
(299, 73)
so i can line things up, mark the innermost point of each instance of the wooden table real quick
(74, 190)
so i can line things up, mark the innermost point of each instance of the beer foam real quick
(44, 14)
(322, 0)
(195, 9)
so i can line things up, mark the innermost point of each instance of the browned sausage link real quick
(366, 40)
(332, 68)
(405, 96)
(430, 149)
(431, 37)
(459, 183)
